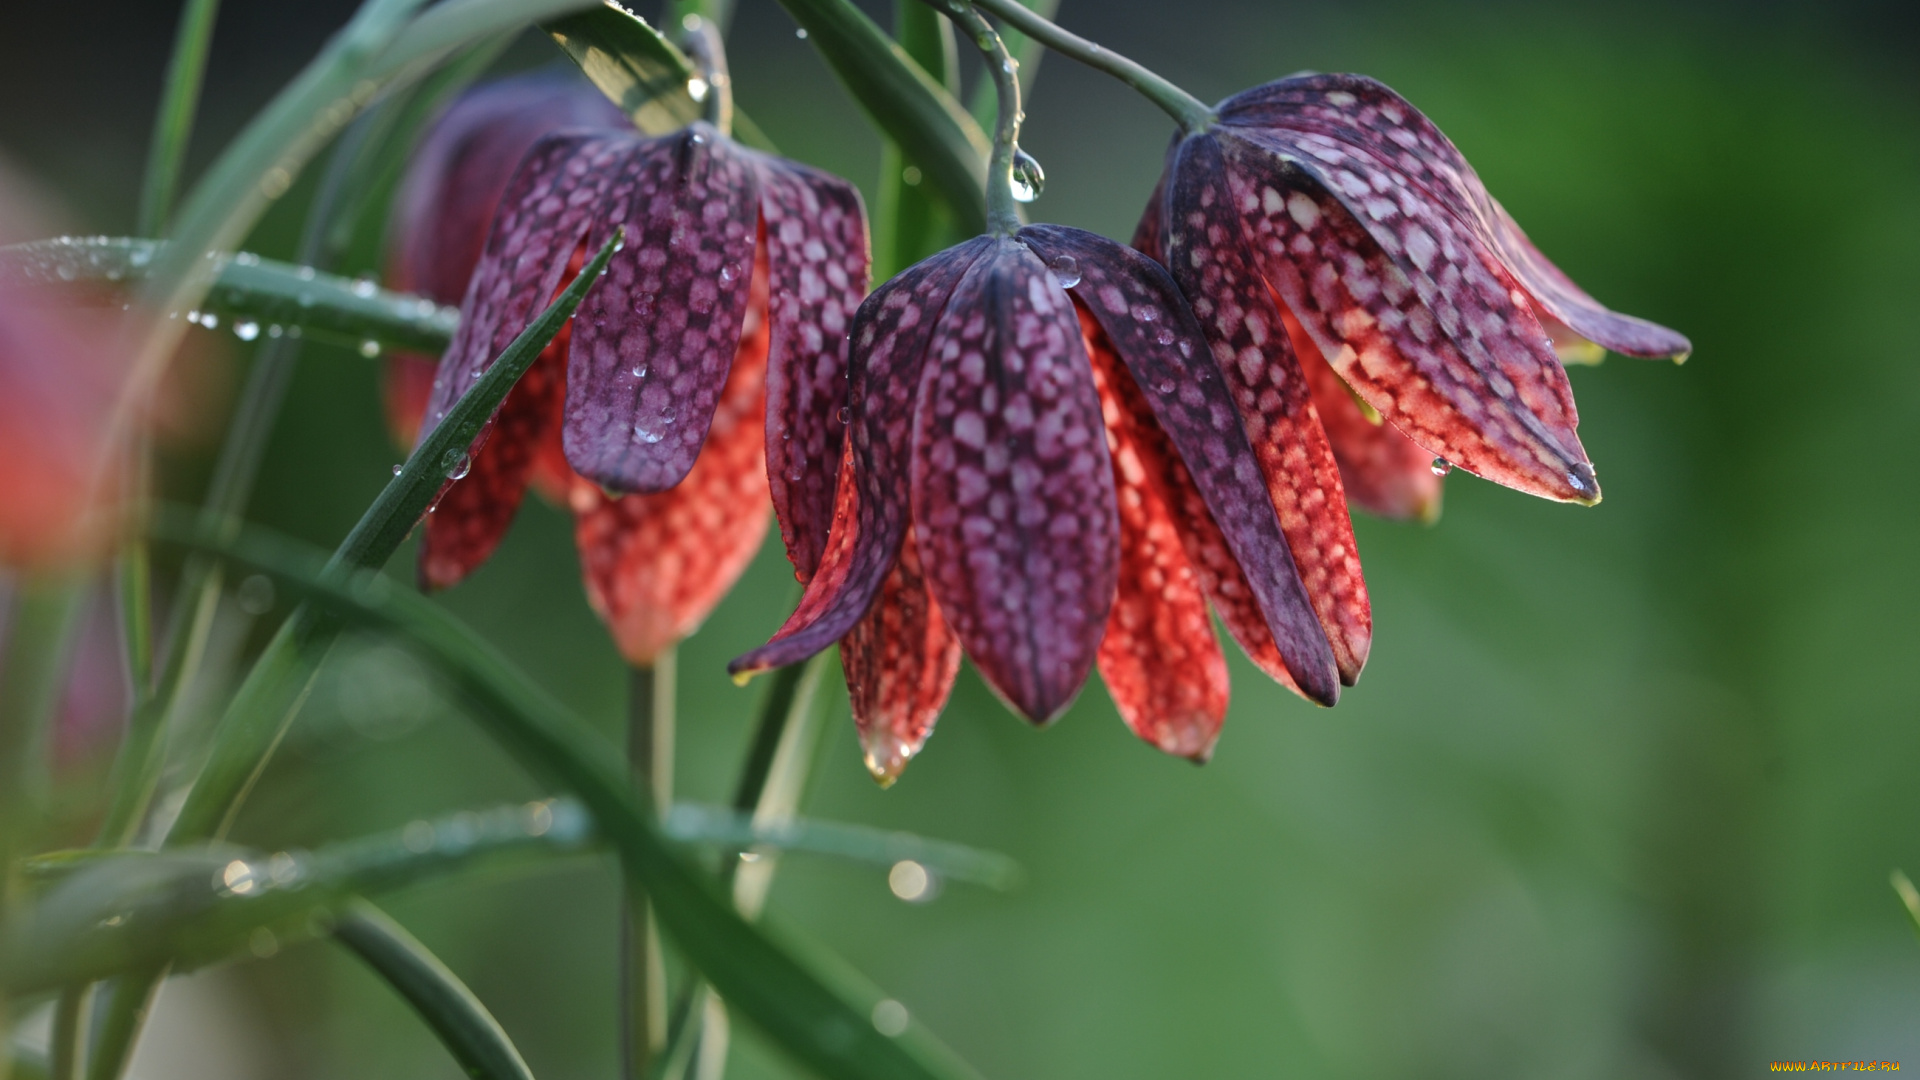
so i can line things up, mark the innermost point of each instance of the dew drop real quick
(246, 331)
(364, 288)
(369, 348)
(1164, 337)
(1441, 466)
(728, 272)
(697, 88)
(1066, 270)
(66, 272)
(640, 371)
(642, 434)
(846, 415)
(1166, 386)
(667, 415)
(210, 321)
(910, 176)
(1029, 179)
(456, 463)
(697, 138)
(643, 306)
(397, 469)
(801, 33)
(274, 330)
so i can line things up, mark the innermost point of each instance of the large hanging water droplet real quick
(456, 463)
(1066, 271)
(1441, 466)
(1029, 179)
(246, 330)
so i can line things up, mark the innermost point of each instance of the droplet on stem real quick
(1029, 179)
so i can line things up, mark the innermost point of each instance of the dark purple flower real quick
(980, 502)
(650, 351)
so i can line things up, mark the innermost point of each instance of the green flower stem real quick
(1025, 50)
(278, 297)
(173, 124)
(643, 973)
(465, 1027)
(1003, 211)
(779, 763)
(1188, 111)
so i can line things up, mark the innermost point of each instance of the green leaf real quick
(824, 1020)
(697, 823)
(119, 911)
(640, 71)
(909, 223)
(907, 104)
(270, 295)
(1909, 898)
(465, 1027)
(1025, 50)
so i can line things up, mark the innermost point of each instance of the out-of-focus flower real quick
(982, 508)
(1324, 210)
(716, 340)
(60, 376)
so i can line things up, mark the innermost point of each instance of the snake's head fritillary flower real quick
(1043, 506)
(716, 341)
(1330, 204)
(452, 188)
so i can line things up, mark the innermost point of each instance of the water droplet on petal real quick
(728, 272)
(210, 321)
(697, 90)
(1441, 466)
(698, 137)
(1066, 270)
(667, 414)
(846, 415)
(1166, 386)
(1164, 337)
(247, 330)
(1029, 179)
(640, 371)
(643, 434)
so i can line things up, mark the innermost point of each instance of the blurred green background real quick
(1619, 793)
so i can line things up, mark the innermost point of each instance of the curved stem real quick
(1188, 111)
(1003, 211)
(708, 52)
(643, 976)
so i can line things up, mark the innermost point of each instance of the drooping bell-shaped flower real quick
(1042, 507)
(720, 323)
(1330, 203)
(1329, 237)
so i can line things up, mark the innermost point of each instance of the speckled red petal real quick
(1418, 318)
(656, 564)
(888, 350)
(1143, 317)
(1327, 117)
(1209, 257)
(657, 335)
(541, 226)
(1160, 659)
(1013, 504)
(1384, 472)
(815, 236)
(900, 661)
(474, 510)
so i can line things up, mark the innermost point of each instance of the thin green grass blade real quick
(465, 1027)
(173, 124)
(260, 297)
(1909, 898)
(909, 106)
(815, 1008)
